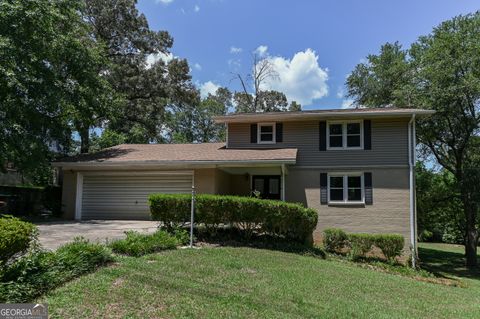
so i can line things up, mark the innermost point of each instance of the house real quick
(354, 166)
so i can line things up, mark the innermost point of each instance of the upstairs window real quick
(345, 135)
(346, 188)
(266, 133)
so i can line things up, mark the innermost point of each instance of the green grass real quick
(255, 283)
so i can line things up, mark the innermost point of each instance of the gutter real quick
(305, 115)
(170, 163)
(411, 163)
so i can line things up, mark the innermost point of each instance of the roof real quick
(175, 154)
(330, 113)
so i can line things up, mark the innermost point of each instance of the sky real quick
(313, 45)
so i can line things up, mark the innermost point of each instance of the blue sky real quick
(313, 45)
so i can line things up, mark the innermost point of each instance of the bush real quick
(272, 217)
(40, 271)
(334, 240)
(425, 236)
(137, 244)
(360, 244)
(16, 236)
(391, 245)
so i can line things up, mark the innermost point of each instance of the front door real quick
(268, 186)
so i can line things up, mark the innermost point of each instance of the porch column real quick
(283, 183)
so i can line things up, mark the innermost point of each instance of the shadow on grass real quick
(445, 263)
(230, 237)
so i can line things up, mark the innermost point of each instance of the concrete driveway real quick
(54, 234)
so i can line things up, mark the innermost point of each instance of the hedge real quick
(16, 236)
(335, 240)
(250, 214)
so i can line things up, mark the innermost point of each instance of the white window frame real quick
(259, 130)
(345, 176)
(344, 135)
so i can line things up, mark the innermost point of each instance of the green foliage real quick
(334, 240)
(50, 80)
(441, 72)
(425, 236)
(137, 244)
(391, 245)
(40, 271)
(108, 138)
(249, 214)
(193, 122)
(360, 244)
(16, 236)
(439, 208)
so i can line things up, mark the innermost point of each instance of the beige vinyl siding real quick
(389, 144)
(126, 196)
(388, 214)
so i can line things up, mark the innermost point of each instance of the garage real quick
(125, 196)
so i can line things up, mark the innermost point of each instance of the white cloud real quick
(340, 92)
(197, 66)
(347, 104)
(208, 87)
(164, 1)
(261, 50)
(196, 8)
(301, 78)
(153, 58)
(235, 50)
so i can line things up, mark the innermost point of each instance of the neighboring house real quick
(354, 166)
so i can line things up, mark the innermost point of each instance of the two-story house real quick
(354, 166)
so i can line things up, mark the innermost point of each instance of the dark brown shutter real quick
(253, 133)
(323, 188)
(322, 135)
(367, 134)
(279, 132)
(368, 188)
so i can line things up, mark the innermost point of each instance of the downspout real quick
(283, 182)
(411, 164)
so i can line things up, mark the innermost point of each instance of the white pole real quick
(411, 164)
(192, 209)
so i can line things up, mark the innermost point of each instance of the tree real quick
(49, 80)
(148, 88)
(260, 100)
(193, 122)
(438, 204)
(440, 71)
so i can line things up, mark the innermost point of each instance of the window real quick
(266, 133)
(346, 188)
(345, 135)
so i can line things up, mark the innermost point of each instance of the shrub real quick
(360, 244)
(334, 240)
(391, 245)
(277, 218)
(16, 236)
(82, 256)
(40, 271)
(425, 236)
(137, 244)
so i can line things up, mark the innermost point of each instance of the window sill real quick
(345, 148)
(346, 204)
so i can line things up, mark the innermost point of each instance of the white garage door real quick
(126, 196)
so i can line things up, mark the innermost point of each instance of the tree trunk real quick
(84, 140)
(471, 230)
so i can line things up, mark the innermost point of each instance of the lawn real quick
(254, 283)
